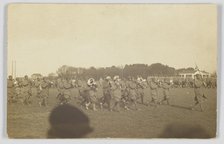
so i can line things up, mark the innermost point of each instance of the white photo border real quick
(3, 67)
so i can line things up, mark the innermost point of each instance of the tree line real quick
(132, 70)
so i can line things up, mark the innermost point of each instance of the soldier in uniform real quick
(92, 89)
(10, 89)
(132, 93)
(67, 91)
(84, 93)
(141, 85)
(213, 82)
(26, 90)
(60, 88)
(107, 92)
(18, 90)
(124, 94)
(44, 92)
(199, 94)
(116, 93)
(101, 82)
(166, 89)
(37, 83)
(73, 82)
(154, 91)
(79, 83)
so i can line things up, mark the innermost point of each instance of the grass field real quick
(148, 122)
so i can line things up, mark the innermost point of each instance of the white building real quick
(191, 74)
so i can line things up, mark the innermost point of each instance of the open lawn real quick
(147, 122)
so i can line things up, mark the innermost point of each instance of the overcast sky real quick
(43, 37)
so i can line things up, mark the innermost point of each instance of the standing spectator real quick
(166, 91)
(199, 93)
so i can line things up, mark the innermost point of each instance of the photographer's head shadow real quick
(181, 130)
(67, 121)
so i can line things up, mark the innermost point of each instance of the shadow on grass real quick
(181, 130)
(67, 121)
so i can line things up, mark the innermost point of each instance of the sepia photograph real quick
(133, 71)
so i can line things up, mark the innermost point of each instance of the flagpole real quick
(15, 69)
(12, 68)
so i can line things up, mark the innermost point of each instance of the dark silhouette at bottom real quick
(68, 122)
(178, 130)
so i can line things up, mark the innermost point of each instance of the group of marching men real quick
(122, 92)
(21, 90)
(116, 93)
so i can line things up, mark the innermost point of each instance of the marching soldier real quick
(92, 88)
(132, 94)
(73, 83)
(199, 94)
(67, 91)
(154, 91)
(10, 89)
(166, 89)
(81, 85)
(124, 94)
(37, 83)
(107, 92)
(116, 92)
(60, 88)
(44, 92)
(26, 90)
(86, 98)
(18, 90)
(101, 82)
(141, 85)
